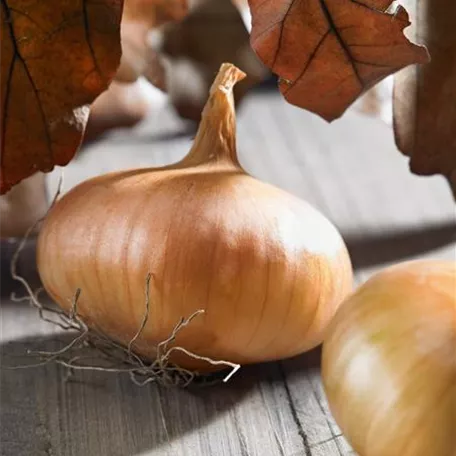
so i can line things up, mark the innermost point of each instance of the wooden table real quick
(352, 172)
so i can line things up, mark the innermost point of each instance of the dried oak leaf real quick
(328, 52)
(57, 56)
(425, 98)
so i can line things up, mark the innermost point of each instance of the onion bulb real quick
(389, 362)
(267, 269)
(122, 105)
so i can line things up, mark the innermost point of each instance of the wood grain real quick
(352, 172)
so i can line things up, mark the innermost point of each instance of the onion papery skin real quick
(268, 269)
(389, 362)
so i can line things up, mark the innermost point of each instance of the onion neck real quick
(215, 141)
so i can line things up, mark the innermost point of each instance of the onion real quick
(267, 269)
(389, 362)
(123, 105)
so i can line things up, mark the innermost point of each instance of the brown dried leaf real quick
(328, 52)
(57, 56)
(425, 97)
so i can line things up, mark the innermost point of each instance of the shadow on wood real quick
(106, 414)
(392, 246)
(26, 266)
(42, 412)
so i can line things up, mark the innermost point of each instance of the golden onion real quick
(389, 362)
(267, 268)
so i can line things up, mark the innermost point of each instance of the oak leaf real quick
(425, 98)
(57, 57)
(328, 52)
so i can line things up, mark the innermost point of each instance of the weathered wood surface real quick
(352, 172)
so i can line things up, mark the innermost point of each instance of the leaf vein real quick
(341, 41)
(309, 60)
(22, 60)
(6, 106)
(85, 18)
(282, 28)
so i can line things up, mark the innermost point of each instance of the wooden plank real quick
(95, 413)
